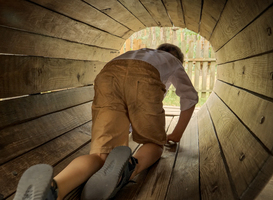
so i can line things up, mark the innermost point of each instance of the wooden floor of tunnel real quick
(181, 173)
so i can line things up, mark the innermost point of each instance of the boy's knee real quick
(102, 156)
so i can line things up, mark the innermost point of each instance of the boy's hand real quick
(174, 137)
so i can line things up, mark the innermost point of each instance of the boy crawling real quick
(128, 90)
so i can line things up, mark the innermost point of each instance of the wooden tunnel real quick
(51, 51)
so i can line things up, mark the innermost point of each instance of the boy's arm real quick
(183, 121)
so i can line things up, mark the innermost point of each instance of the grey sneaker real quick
(35, 184)
(113, 176)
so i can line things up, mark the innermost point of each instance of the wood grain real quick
(117, 11)
(20, 110)
(132, 190)
(233, 20)
(243, 153)
(256, 113)
(210, 15)
(19, 139)
(78, 10)
(50, 153)
(22, 75)
(267, 191)
(192, 11)
(158, 12)
(19, 42)
(174, 9)
(27, 16)
(138, 10)
(254, 74)
(184, 183)
(214, 180)
(263, 179)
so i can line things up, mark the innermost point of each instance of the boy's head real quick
(173, 49)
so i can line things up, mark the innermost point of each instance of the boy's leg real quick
(147, 155)
(77, 172)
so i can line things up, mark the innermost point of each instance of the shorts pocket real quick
(150, 92)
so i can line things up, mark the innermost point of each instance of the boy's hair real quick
(173, 49)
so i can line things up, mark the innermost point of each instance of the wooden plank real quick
(256, 113)
(244, 155)
(22, 75)
(254, 74)
(260, 181)
(169, 111)
(258, 29)
(78, 9)
(184, 183)
(190, 55)
(50, 153)
(157, 180)
(31, 17)
(267, 191)
(131, 191)
(21, 138)
(158, 12)
(19, 110)
(174, 9)
(139, 11)
(212, 75)
(117, 11)
(197, 66)
(210, 15)
(232, 21)
(168, 120)
(19, 42)
(205, 69)
(214, 181)
(192, 10)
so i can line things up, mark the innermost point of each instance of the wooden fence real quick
(199, 62)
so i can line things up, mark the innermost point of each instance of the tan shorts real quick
(127, 91)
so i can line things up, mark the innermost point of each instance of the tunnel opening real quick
(199, 57)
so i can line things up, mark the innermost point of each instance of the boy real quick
(128, 90)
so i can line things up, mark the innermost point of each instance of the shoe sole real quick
(103, 183)
(35, 183)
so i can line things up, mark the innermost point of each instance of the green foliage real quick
(171, 99)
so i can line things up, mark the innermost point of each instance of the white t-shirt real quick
(171, 72)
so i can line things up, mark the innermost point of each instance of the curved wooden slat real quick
(27, 16)
(247, 39)
(17, 140)
(50, 153)
(236, 15)
(244, 155)
(256, 113)
(11, 111)
(117, 11)
(135, 7)
(174, 9)
(157, 11)
(211, 13)
(253, 74)
(19, 42)
(214, 180)
(22, 75)
(192, 12)
(78, 10)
